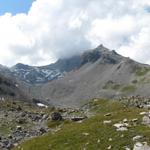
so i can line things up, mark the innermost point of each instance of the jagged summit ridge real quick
(103, 54)
(43, 74)
(102, 73)
(95, 73)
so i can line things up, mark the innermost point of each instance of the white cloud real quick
(60, 28)
(112, 32)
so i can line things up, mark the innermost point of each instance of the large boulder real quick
(146, 120)
(141, 146)
(56, 116)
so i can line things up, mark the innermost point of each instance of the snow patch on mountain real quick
(36, 75)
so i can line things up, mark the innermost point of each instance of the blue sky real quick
(147, 9)
(15, 6)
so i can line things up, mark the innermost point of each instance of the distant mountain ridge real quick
(100, 73)
(35, 75)
(97, 73)
(43, 74)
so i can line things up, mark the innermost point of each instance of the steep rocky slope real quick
(73, 81)
(10, 88)
(101, 73)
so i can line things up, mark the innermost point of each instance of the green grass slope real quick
(92, 133)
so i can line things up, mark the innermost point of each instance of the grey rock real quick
(141, 146)
(78, 118)
(138, 137)
(56, 116)
(146, 120)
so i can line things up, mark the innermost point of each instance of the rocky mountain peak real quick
(103, 54)
(21, 66)
(101, 47)
(43, 74)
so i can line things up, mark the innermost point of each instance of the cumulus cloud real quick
(61, 28)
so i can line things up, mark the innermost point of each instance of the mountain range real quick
(43, 74)
(99, 72)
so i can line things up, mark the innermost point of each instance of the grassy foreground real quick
(92, 133)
